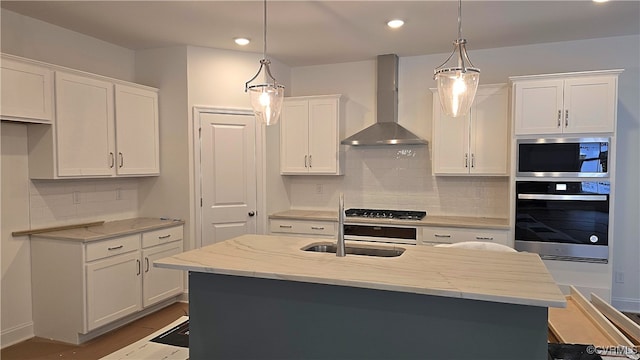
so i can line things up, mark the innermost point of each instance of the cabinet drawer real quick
(325, 228)
(161, 236)
(102, 249)
(444, 235)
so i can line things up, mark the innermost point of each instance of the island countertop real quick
(513, 278)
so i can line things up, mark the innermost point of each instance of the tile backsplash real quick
(399, 177)
(63, 202)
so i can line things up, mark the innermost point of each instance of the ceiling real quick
(302, 33)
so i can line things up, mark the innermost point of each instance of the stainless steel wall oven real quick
(563, 220)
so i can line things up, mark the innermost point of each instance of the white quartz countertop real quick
(514, 278)
(429, 220)
(110, 229)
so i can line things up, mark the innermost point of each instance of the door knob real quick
(251, 213)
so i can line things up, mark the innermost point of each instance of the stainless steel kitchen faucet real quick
(340, 250)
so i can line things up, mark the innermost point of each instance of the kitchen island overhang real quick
(262, 296)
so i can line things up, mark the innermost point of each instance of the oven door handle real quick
(562, 197)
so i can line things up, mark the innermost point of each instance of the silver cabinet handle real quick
(309, 160)
(483, 238)
(305, 160)
(286, 226)
(442, 235)
(566, 118)
(559, 117)
(164, 236)
(147, 261)
(466, 160)
(115, 247)
(317, 228)
(473, 160)
(121, 159)
(139, 268)
(112, 161)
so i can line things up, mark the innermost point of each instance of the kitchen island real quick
(259, 296)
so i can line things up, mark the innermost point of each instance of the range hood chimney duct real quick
(386, 130)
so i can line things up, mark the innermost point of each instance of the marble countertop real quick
(110, 229)
(429, 220)
(514, 278)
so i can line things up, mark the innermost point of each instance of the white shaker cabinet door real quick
(84, 126)
(294, 137)
(114, 288)
(538, 107)
(489, 132)
(590, 104)
(27, 92)
(158, 283)
(323, 136)
(451, 142)
(136, 131)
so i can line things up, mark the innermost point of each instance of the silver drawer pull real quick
(317, 228)
(442, 236)
(286, 226)
(164, 236)
(115, 247)
(483, 238)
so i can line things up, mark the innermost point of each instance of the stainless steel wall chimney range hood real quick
(386, 130)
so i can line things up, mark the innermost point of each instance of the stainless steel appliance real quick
(563, 157)
(387, 232)
(563, 220)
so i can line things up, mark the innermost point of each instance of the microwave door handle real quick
(562, 197)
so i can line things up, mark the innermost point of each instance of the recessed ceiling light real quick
(241, 41)
(394, 24)
(600, 1)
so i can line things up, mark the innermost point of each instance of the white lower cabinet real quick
(303, 227)
(448, 235)
(81, 287)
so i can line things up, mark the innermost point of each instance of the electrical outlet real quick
(319, 189)
(76, 197)
(118, 194)
(619, 277)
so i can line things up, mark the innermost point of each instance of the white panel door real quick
(450, 142)
(84, 126)
(26, 91)
(228, 171)
(137, 131)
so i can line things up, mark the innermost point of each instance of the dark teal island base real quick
(235, 317)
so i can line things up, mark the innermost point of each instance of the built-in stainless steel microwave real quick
(563, 157)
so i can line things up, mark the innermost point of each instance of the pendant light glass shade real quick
(266, 98)
(456, 78)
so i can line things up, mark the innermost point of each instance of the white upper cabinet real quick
(27, 92)
(476, 144)
(310, 133)
(573, 103)
(103, 128)
(137, 131)
(84, 126)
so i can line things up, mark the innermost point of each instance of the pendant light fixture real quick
(266, 98)
(457, 82)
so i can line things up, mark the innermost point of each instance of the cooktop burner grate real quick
(386, 214)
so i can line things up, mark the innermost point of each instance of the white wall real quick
(15, 300)
(452, 196)
(52, 201)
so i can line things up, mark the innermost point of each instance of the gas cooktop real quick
(386, 214)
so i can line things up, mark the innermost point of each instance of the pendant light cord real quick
(264, 50)
(459, 19)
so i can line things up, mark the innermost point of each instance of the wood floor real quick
(42, 349)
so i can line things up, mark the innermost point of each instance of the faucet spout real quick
(340, 248)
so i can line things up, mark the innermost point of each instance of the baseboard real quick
(184, 297)
(16, 334)
(626, 304)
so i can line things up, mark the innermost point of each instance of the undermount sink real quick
(356, 250)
